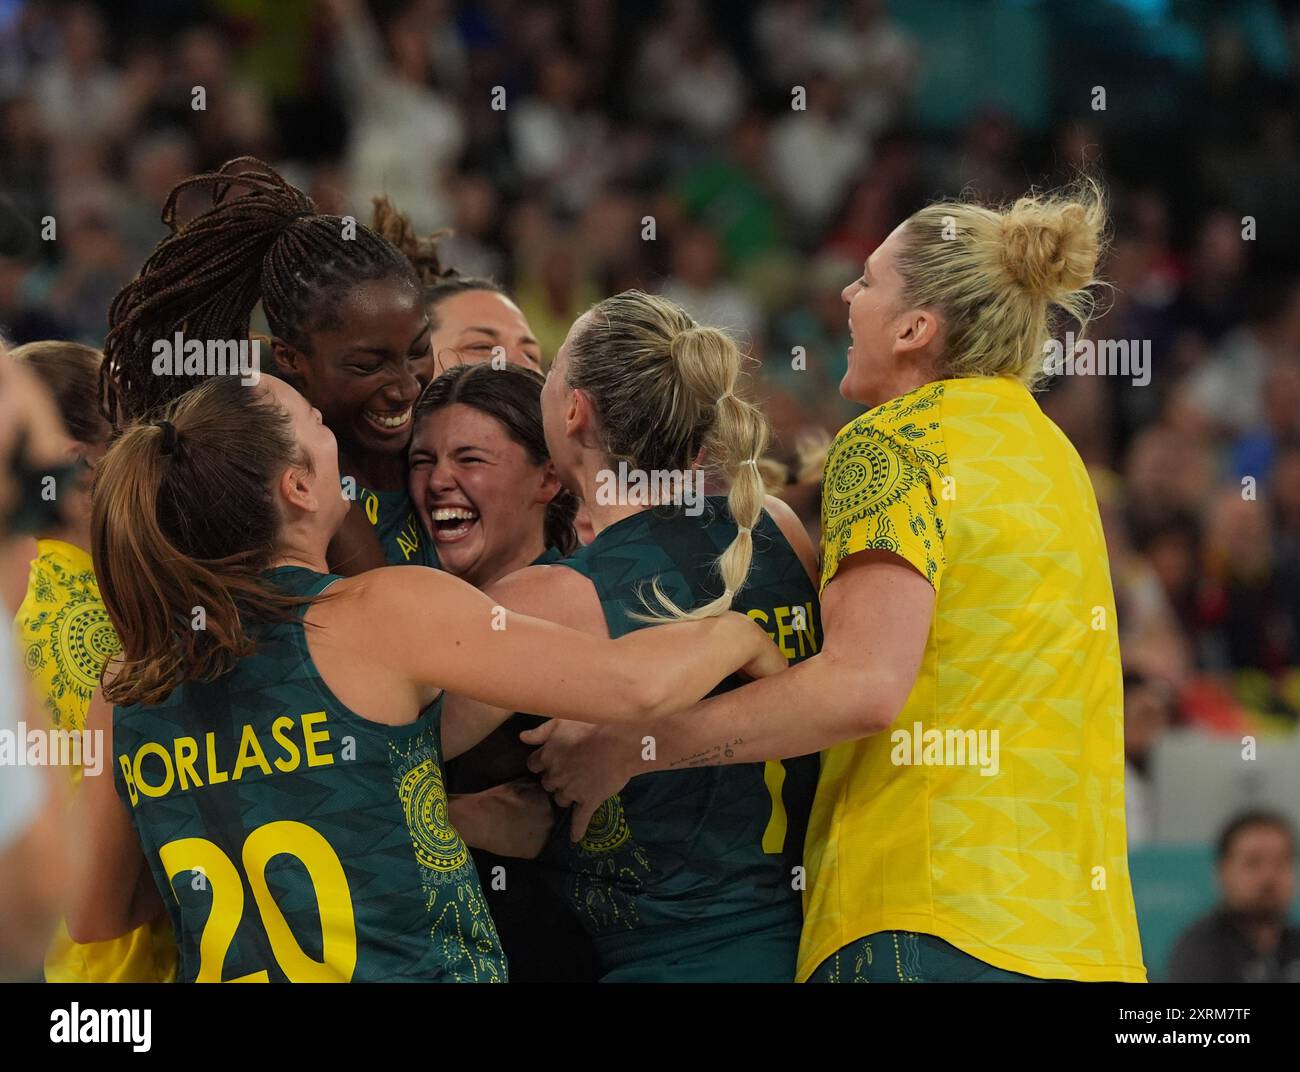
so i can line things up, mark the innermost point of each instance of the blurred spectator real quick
(155, 163)
(699, 286)
(79, 94)
(404, 135)
(472, 246)
(1230, 387)
(1245, 622)
(1255, 453)
(875, 60)
(824, 134)
(558, 138)
(1247, 938)
(1152, 638)
(555, 285)
(235, 118)
(1149, 708)
(1210, 301)
(686, 77)
(730, 193)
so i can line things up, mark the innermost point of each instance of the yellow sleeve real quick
(881, 492)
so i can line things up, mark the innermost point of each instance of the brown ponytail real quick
(184, 521)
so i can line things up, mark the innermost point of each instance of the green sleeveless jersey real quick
(293, 840)
(690, 857)
(400, 534)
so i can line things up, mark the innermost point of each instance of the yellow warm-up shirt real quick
(991, 813)
(65, 637)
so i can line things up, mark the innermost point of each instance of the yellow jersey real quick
(65, 637)
(991, 813)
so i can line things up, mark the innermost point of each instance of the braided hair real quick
(204, 279)
(437, 282)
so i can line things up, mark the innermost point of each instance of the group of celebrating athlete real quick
(392, 692)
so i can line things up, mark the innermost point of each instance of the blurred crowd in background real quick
(744, 159)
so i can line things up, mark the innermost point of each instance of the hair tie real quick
(725, 394)
(169, 436)
(750, 461)
(741, 528)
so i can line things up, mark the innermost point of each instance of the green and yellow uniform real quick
(693, 875)
(400, 534)
(991, 814)
(65, 638)
(542, 940)
(294, 840)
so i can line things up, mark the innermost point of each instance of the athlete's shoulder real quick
(407, 581)
(554, 592)
(906, 431)
(923, 404)
(796, 535)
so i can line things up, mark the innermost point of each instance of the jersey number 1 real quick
(774, 834)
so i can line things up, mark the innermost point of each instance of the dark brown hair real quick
(71, 372)
(205, 278)
(193, 527)
(513, 395)
(437, 282)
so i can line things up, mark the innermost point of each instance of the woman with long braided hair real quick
(473, 318)
(348, 328)
(293, 747)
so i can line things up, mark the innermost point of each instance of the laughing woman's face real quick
(478, 494)
(875, 300)
(365, 374)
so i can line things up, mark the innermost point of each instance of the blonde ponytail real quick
(1004, 279)
(706, 359)
(664, 388)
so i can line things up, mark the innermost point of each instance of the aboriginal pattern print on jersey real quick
(878, 462)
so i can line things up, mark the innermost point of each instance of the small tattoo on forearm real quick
(710, 757)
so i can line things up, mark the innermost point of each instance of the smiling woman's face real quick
(365, 375)
(478, 494)
(475, 324)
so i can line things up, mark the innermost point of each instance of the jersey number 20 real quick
(333, 899)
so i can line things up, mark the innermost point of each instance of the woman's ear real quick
(917, 329)
(290, 363)
(580, 420)
(299, 488)
(550, 485)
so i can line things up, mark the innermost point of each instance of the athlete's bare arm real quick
(553, 593)
(511, 819)
(876, 615)
(117, 893)
(440, 632)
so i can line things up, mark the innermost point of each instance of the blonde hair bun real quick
(1050, 245)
